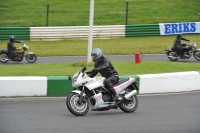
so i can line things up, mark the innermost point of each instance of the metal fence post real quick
(126, 12)
(47, 19)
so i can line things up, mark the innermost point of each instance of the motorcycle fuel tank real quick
(98, 82)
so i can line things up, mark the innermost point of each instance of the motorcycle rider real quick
(105, 68)
(11, 48)
(178, 46)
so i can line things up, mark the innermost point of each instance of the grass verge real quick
(120, 46)
(123, 68)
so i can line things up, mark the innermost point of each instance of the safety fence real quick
(61, 86)
(78, 32)
(139, 30)
(99, 32)
(20, 33)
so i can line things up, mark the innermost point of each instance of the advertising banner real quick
(179, 28)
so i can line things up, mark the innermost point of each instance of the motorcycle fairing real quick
(30, 53)
(78, 92)
(95, 83)
(119, 88)
(100, 104)
(79, 78)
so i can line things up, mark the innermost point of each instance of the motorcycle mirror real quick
(84, 68)
(69, 78)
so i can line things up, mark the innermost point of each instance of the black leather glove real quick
(89, 73)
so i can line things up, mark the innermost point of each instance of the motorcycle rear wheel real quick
(172, 53)
(3, 58)
(76, 108)
(130, 105)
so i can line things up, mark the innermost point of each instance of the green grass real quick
(123, 68)
(17, 13)
(121, 46)
(23, 13)
(147, 45)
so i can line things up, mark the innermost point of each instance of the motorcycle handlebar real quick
(69, 78)
(83, 69)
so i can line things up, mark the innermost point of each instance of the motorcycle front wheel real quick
(196, 55)
(31, 58)
(129, 105)
(75, 106)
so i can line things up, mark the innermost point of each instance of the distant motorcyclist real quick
(10, 46)
(105, 68)
(178, 46)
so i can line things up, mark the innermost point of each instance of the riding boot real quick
(181, 55)
(115, 95)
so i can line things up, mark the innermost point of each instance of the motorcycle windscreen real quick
(95, 83)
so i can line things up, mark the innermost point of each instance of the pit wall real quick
(61, 86)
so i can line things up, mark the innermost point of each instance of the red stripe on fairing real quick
(94, 81)
(98, 96)
(124, 84)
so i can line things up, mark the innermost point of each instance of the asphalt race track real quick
(146, 57)
(174, 113)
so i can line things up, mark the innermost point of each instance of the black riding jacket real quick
(10, 45)
(177, 42)
(105, 67)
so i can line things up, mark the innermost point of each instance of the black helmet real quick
(12, 38)
(179, 36)
(97, 54)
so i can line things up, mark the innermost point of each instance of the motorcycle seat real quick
(173, 49)
(122, 81)
(4, 50)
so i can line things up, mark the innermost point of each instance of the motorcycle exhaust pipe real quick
(130, 94)
(126, 97)
(172, 57)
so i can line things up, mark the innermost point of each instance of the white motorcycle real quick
(91, 92)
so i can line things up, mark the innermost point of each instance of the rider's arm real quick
(105, 64)
(185, 39)
(92, 73)
(17, 41)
